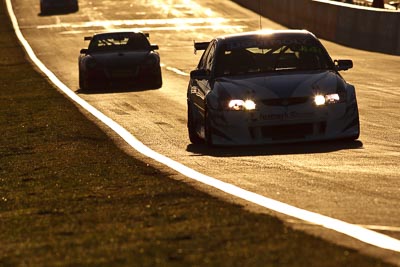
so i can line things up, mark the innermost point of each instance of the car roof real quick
(119, 32)
(287, 34)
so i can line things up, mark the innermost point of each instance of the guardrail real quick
(351, 25)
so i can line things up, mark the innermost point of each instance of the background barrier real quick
(351, 25)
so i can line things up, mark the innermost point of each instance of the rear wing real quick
(200, 46)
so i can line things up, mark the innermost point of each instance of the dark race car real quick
(58, 6)
(269, 87)
(119, 59)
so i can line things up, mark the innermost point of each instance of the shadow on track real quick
(276, 149)
(116, 89)
(55, 13)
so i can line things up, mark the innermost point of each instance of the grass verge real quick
(70, 197)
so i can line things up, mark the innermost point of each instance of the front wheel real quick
(191, 124)
(356, 136)
(157, 82)
(85, 84)
(81, 81)
(75, 7)
(208, 129)
(357, 122)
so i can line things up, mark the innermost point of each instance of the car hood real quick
(120, 59)
(282, 85)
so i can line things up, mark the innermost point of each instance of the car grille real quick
(285, 101)
(293, 131)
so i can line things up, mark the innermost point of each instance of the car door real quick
(200, 86)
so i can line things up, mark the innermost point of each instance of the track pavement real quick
(356, 182)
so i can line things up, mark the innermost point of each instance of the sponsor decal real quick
(310, 49)
(293, 115)
(266, 43)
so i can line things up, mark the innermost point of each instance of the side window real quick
(207, 58)
(202, 62)
(210, 58)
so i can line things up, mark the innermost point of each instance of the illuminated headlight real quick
(320, 100)
(238, 104)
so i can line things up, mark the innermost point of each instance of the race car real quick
(63, 6)
(119, 59)
(265, 87)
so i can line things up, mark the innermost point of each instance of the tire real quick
(208, 129)
(157, 82)
(191, 124)
(355, 137)
(86, 85)
(81, 82)
(43, 11)
(75, 8)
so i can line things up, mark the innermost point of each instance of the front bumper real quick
(285, 124)
(136, 76)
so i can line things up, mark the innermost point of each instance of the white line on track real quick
(355, 231)
(177, 71)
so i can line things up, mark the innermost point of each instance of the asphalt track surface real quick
(356, 182)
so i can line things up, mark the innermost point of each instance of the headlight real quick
(238, 104)
(151, 60)
(320, 100)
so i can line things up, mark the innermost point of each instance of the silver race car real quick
(119, 59)
(269, 87)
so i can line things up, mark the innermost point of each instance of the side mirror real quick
(343, 64)
(84, 51)
(199, 74)
(154, 47)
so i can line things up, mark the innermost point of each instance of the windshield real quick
(118, 42)
(247, 57)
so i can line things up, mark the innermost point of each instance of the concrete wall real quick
(360, 27)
